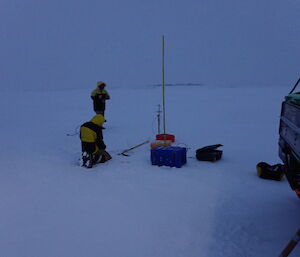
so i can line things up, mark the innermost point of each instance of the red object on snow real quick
(165, 137)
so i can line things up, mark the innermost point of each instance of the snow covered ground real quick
(51, 207)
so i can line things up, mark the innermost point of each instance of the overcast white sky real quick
(72, 44)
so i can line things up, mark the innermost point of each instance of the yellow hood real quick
(98, 119)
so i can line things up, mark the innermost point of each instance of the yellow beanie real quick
(100, 83)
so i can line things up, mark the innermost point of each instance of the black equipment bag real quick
(267, 171)
(209, 153)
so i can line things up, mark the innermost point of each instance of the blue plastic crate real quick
(172, 156)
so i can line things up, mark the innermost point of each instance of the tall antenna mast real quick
(164, 136)
(163, 83)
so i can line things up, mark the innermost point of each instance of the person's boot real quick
(84, 158)
(102, 160)
(89, 163)
(96, 158)
(105, 156)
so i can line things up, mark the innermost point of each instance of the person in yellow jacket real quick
(99, 97)
(92, 144)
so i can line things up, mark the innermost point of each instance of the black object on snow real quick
(267, 171)
(209, 153)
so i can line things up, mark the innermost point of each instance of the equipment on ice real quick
(124, 153)
(164, 135)
(267, 171)
(209, 153)
(172, 156)
(291, 245)
(289, 138)
(160, 143)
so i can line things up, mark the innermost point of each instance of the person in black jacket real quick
(92, 144)
(99, 96)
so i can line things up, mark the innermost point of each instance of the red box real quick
(165, 137)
